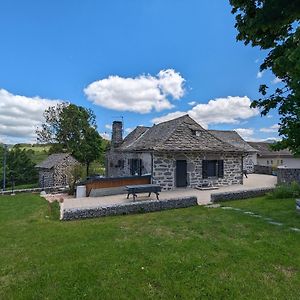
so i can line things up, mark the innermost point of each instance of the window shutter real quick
(130, 166)
(220, 168)
(204, 168)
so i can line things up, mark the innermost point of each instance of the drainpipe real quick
(152, 167)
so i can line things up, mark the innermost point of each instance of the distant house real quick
(176, 153)
(268, 157)
(234, 139)
(55, 169)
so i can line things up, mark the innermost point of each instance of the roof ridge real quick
(172, 120)
(223, 142)
(174, 129)
(139, 135)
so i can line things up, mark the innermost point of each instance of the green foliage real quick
(76, 173)
(284, 191)
(274, 26)
(19, 166)
(192, 253)
(72, 129)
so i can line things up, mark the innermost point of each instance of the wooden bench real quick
(143, 188)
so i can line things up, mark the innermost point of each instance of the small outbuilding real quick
(55, 169)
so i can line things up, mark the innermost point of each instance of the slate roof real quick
(234, 139)
(134, 135)
(265, 151)
(176, 135)
(52, 160)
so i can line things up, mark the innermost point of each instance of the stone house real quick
(55, 169)
(176, 153)
(268, 157)
(234, 139)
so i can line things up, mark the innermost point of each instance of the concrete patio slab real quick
(203, 197)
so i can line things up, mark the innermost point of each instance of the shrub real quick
(286, 191)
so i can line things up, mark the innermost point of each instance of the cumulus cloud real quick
(245, 133)
(260, 74)
(229, 110)
(276, 80)
(20, 116)
(141, 94)
(273, 128)
(192, 103)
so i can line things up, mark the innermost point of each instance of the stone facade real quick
(58, 175)
(118, 163)
(288, 175)
(164, 169)
(249, 161)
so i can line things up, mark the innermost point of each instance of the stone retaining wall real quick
(242, 194)
(128, 208)
(258, 169)
(51, 189)
(287, 175)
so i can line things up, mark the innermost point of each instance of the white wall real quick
(289, 162)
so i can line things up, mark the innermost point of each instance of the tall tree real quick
(19, 166)
(73, 129)
(274, 25)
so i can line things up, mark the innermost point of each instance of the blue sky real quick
(55, 50)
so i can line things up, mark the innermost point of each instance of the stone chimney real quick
(117, 133)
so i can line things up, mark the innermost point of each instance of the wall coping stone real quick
(127, 208)
(240, 194)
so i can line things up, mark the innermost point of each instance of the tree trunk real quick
(87, 168)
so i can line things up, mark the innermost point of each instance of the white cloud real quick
(276, 80)
(260, 74)
(168, 117)
(129, 129)
(273, 128)
(140, 94)
(20, 116)
(105, 135)
(192, 103)
(270, 139)
(229, 110)
(245, 133)
(108, 126)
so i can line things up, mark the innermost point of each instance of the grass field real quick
(40, 151)
(192, 253)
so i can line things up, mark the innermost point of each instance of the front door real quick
(181, 173)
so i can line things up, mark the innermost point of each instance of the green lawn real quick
(193, 253)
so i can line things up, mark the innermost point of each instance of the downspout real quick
(152, 167)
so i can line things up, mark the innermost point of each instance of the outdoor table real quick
(143, 188)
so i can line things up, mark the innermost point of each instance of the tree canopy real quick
(274, 25)
(19, 166)
(72, 129)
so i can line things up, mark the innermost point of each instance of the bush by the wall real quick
(286, 191)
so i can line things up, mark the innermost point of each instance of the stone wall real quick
(117, 163)
(128, 208)
(237, 195)
(248, 162)
(164, 169)
(46, 177)
(263, 170)
(59, 175)
(288, 175)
